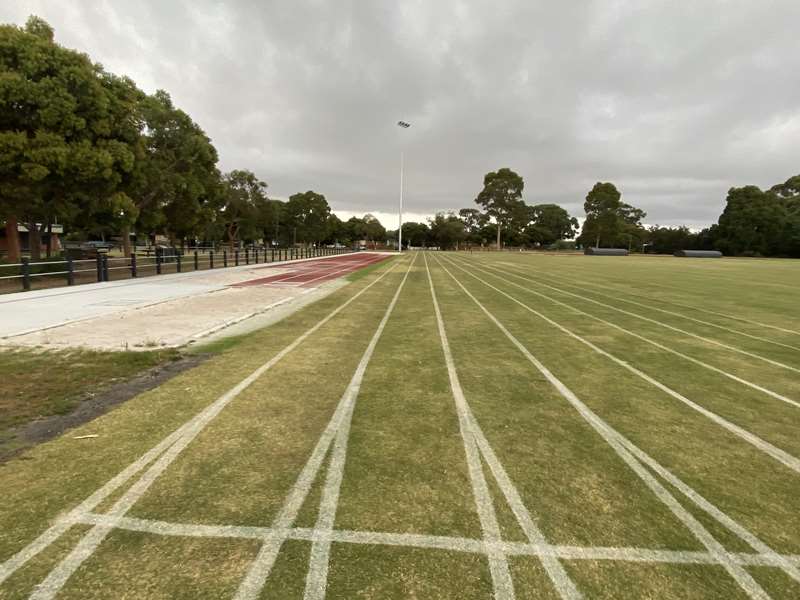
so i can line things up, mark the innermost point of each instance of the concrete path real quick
(39, 310)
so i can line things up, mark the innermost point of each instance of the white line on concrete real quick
(502, 584)
(731, 376)
(672, 328)
(761, 444)
(662, 310)
(258, 572)
(231, 322)
(740, 575)
(434, 542)
(180, 437)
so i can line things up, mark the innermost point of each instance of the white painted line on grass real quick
(690, 306)
(259, 571)
(183, 435)
(672, 328)
(695, 497)
(740, 575)
(434, 542)
(317, 578)
(502, 584)
(668, 312)
(713, 312)
(761, 444)
(731, 376)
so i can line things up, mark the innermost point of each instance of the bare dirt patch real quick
(93, 405)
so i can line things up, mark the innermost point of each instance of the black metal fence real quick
(29, 275)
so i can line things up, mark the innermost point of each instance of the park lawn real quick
(606, 492)
(39, 383)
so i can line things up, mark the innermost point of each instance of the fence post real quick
(26, 274)
(158, 261)
(178, 262)
(196, 261)
(134, 272)
(70, 271)
(236, 257)
(99, 261)
(105, 267)
(224, 258)
(247, 256)
(210, 259)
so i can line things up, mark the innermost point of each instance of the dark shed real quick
(699, 253)
(606, 251)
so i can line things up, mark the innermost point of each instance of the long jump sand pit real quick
(246, 298)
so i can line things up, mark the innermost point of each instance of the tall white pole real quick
(400, 225)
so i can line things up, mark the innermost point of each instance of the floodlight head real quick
(403, 124)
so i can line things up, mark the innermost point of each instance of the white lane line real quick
(707, 311)
(695, 497)
(662, 310)
(325, 273)
(56, 530)
(731, 376)
(740, 575)
(317, 578)
(761, 444)
(258, 572)
(689, 306)
(502, 584)
(434, 542)
(672, 328)
(352, 268)
(179, 439)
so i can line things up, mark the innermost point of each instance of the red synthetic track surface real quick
(314, 272)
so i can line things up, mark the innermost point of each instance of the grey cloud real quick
(673, 101)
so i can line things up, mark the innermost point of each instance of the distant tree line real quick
(89, 150)
(505, 220)
(754, 223)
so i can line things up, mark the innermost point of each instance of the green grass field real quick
(448, 425)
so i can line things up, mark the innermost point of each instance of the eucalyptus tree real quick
(501, 197)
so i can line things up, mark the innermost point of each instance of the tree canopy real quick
(89, 150)
(501, 197)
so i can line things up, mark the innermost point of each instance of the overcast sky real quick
(673, 101)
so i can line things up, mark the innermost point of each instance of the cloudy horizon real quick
(674, 103)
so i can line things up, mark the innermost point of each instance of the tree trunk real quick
(12, 239)
(597, 243)
(126, 240)
(34, 241)
(498, 236)
(49, 237)
(232, 232)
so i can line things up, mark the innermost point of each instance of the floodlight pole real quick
(402, 125)
(400, 219)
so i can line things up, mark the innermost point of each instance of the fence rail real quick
(177, 261)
